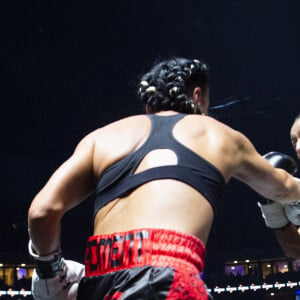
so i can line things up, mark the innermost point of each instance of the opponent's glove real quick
(273, 212)
(281, 161)
(55, 278)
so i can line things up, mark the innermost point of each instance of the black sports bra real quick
(119, 179)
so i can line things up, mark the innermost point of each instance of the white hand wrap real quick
(55, 278)
(274, 215)
(61, 287)
(292, 212)
(47, 266)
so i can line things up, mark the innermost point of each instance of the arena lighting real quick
(255, 287)
(13, 293)
(1, 265)
(25, 293)
(247, 260)
(217, 289)
(291, 284)
(235, 262)
(231, 289)
(23, 265)
(266, 286)
(269, 266)
(279, 285)
(243, 288)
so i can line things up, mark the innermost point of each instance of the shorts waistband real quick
(140, 247)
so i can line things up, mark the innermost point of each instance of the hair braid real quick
(168, 85)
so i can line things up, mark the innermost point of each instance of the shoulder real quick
(115, 127)
(123, 123)
(121, 133)
(215, 127)
(237, 137)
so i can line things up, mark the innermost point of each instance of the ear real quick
(197, 94)
(198, 98)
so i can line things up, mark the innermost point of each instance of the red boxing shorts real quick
(143, 264)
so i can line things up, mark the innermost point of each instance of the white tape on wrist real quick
(61, 287)
(41, 258)
(47, 266)
(274, 215)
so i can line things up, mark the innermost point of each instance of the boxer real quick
(158, 179)
(293, 210)
(285, 219)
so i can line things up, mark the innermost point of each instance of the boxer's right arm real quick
(54, 277)
(255, 171)
(70, 184)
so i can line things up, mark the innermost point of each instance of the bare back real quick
(164, 203)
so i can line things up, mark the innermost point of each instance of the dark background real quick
(68, 67)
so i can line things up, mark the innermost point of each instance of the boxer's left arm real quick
(255, 171)
(273, 212)
(273, 183)
(70, 184)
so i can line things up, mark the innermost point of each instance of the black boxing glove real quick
(273, 212)
(281, 161)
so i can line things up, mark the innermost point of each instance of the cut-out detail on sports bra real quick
(120, 178)
(157, 158)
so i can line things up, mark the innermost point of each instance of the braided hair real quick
(170, 84)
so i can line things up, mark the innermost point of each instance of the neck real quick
(167, 112)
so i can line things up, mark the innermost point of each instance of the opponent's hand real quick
(55, 278)
(274, 213)
(292, 212)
